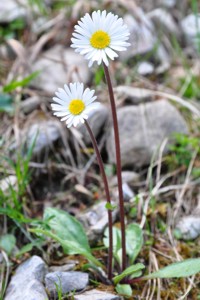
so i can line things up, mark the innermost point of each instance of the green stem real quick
(103, 174)
(118, 165)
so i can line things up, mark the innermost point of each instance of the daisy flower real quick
(73, 103)
(97, 37)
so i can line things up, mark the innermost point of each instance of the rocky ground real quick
(156, 86)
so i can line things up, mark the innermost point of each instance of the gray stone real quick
(142, 37)
(40, 25)
(132, 94)
(191, 29)
(97, 295)
(8, 182)
(30, 104)
(188, 227)
(66, 267)
(129, 177)
(26, 283)
(163, 21)
(164, 58)
(142, 129)
(128, 194)
(95, 220)
(66, 282)
(60, 65)
(11, 10)
(44, 133)
(145, 68)
(96, 120)
(168, 3)
(6, 53)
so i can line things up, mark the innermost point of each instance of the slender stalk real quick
(118, 164)
(105, 181)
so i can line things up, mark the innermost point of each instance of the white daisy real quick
(73, 103)
(97, 37)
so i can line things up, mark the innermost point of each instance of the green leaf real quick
(67, 231)
(134, 241)
(116, 243)
(99, 74)
(25, 249)
(14, 214)
(68, 246)
(109, 206)
(40, 5)
(6, 103)
(7, 243)
(135, 274)
(15, 84)
(129, 271)
(28, 247)
(184, 268)
(124, 290)
(67, 228)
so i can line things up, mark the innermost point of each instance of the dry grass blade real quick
(4, 274)
(185, 185)
(160, 155)
(40, 44)
(190, 286)
(177, 99)
(18, 49)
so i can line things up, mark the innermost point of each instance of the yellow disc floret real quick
(76, 106)
(100, 39)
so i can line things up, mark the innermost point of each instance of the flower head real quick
(73, 103)
(97, 37)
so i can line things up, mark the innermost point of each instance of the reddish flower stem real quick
(118, 164)
(105, 181)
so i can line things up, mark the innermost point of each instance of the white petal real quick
(82, 120)
(67, 90)
(84, 116)
(58, 107)
(65, 118)
(105, 60)
(73, 89)
(62, 95)
(60, 114)
(90, 100)
(70, 119)
(90, 63)
(92, 106)
(80, 91)
(70, 124)
(58, 100)
(111, 53)
(86, 50)
(76, 121)
(117, 48)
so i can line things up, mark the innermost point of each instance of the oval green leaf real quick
(184, 268)
(134, 241)
(135, 269)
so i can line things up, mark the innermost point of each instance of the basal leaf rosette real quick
(73, 103)
(98, 36)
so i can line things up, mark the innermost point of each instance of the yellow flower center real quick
(76, 106)
(100, 39)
